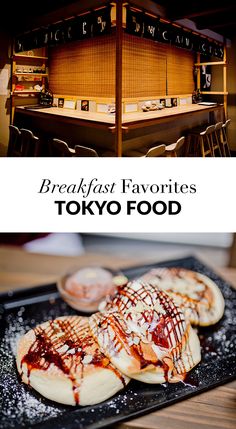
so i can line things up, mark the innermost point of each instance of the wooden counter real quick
(131, 120)
(73, 126)
(97, 129)
(101, 120)
(146, 119)
(145, 129)
(214, 409)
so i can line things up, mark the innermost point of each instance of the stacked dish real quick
(144, 331)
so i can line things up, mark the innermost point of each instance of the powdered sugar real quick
(19, 403)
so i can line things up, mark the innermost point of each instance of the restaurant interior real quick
(118, 78)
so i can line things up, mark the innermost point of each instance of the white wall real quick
(207, 239)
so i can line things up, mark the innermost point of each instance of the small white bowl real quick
(86, 287)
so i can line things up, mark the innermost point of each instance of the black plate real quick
(23, 407)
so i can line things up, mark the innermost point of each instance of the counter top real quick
(167, 111)
(71, 114)
(144, 119)
(129, 119)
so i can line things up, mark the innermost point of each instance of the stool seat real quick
(14, 145)
(22, 142)
(152, 152)
(156, 151)
(83, 151)
(204, 142)
(206, 139)
(170, 147)
(173, 149)
(61, 148)
(217, 138)
(224, 139)
(29, 143)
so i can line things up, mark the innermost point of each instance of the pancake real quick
(61, 360)
(197, 295)
(145, 335)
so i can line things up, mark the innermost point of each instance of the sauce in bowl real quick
(85, 288)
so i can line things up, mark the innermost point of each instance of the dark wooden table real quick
(215, 409)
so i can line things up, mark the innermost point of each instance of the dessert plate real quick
(22, 407)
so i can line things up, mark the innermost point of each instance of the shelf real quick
(215, 92)
(223, 63)
(15, 56)
(30, 74)
(25, 92)
(213, 63)
(24, 68)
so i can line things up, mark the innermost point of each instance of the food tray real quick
(22, 407)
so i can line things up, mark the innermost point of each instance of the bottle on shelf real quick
(29, 77)
(198, 96)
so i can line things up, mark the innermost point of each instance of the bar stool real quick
(83, 151)
(156, 151)
(172, 150)
(29, 143)
(202, 142)
(206, 141)
(224, 139)
(61, 148)
(193, 147)
(215, 141)
(218, 137)
(14, 145)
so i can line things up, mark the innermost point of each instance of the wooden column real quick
(225, 80)
(198, 72)
(12, 84)
(119, 40)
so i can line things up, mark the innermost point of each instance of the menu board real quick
(139, 23)
(90, 24)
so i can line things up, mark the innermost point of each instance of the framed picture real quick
(85, 105)
(163, 102)
(174, 102)
(69, 104)
(61, 102)
(168, 102)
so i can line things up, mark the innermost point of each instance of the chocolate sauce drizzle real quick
(50, 349)
(169, 332)
(204, 298)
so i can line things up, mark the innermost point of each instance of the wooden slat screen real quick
(87, 68)
(144, 68)
(151, 69)
(84, 68)
(179, 71)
